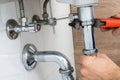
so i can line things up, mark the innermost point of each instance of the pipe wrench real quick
(107, 23)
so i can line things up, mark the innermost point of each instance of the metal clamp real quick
(70, 71)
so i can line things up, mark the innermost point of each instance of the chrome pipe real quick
(31, 57)
(54, 56)
(86, 17)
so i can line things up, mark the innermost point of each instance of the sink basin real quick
(5, 1)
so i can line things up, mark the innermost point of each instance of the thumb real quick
(116, 32)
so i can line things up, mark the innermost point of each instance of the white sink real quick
(5, 1)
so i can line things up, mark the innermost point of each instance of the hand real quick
(116, 31)
(99, 67)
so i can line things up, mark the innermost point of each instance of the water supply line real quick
(85, 19)
(21, 6)
(45, 14)
(13, 28)
(46, 20)
(30, 58)
(23, 19)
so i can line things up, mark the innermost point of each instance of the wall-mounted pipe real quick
(31, 56)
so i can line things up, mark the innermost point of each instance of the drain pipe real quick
(31, 56)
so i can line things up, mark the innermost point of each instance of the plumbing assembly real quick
(86, 17)
(46, 20)
(13, 28)
(30, 58)
(30, 55)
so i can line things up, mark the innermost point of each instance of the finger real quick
(88, 74)
(83, 72)
(116, 32)
(86, 60)
(117, 16)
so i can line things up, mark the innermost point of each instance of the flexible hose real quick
(21, 6)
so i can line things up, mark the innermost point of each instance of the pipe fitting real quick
(86, 18)
(24, 21)
(67, 72)
(30, 58)
(13, 28)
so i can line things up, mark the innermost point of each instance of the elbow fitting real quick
(31, 56)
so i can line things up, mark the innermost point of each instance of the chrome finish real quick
(46, 20)
(31, 56)
(22, 13)
(35, 20)
(73, 16)
(13, 29)
(10, 25)
(27, 57)
(39, 22)
(86, 17)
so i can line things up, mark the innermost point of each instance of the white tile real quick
(11, 66)
(34, 75)
(4, 1)
(15, 77)
(32, 38)
(42, 71)
(8, 11)
(55, 75)
(9, 47)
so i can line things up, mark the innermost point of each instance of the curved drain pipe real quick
(31, 56)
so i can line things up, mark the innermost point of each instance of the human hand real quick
(99, 67)
(115, 31)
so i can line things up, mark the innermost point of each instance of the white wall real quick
(11, 67)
